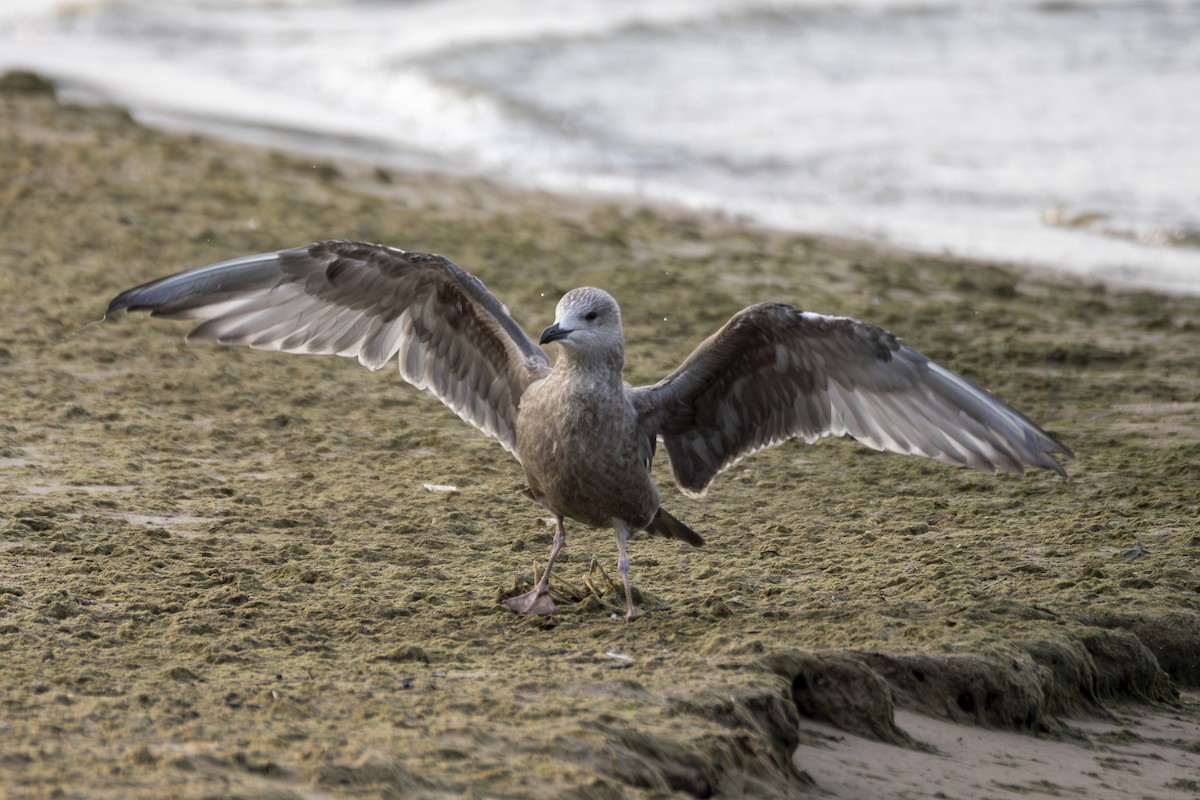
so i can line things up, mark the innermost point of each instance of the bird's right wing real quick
(774, 373)
(365, 301)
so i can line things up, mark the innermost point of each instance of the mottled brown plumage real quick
(579, 435)
(584, 437)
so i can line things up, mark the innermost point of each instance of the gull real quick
(584, 437)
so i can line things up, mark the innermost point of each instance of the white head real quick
(587, 323)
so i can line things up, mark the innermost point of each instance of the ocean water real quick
(1059, 134)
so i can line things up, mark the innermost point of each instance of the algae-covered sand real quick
(222, 572)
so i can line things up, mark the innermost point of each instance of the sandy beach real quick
(229, 573)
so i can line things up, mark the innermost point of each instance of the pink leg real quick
(537, 600)
(623, 534)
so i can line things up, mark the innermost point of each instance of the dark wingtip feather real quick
(155, 294)
(1059, 447)
(125, 301)
(149, 296)
(668, 527)
(204, 283)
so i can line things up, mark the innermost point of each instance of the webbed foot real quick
(535, 601)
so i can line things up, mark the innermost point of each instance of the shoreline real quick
(261, 138)
(223, 573)
(380, 156)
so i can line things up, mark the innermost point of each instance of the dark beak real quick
(553, 334)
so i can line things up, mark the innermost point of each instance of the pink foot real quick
(536, 601)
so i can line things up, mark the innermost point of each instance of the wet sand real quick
(222, 572)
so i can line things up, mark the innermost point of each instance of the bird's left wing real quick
(452, 337)
(774, 373)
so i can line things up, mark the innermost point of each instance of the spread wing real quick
(774, 373)
(451, 336)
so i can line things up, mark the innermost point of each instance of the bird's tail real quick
(668, 527)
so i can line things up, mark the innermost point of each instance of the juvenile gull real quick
(584, 437)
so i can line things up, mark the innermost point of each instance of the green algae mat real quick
(234, 573)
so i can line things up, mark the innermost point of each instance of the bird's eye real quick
(590, 316)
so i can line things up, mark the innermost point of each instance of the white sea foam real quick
(1057, 134)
